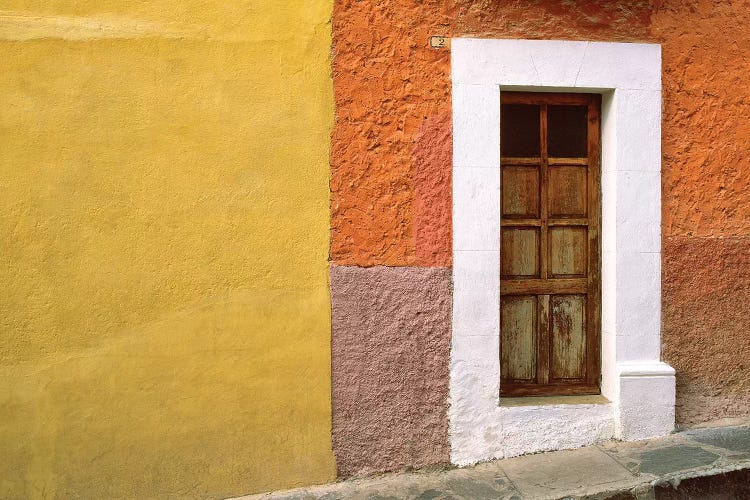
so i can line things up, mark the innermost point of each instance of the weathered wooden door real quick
(550, 244)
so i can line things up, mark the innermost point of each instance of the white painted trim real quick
(639, 386)
(645, 369)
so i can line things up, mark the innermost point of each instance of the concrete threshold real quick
(710, 461)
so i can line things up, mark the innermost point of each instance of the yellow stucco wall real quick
(164, 308)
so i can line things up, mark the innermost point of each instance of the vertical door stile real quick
(543, 346)
(593, 310)
(544, 187)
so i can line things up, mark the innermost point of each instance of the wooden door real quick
(550, 244)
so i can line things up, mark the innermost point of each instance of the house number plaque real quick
(439, 42)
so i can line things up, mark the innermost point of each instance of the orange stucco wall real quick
(391, 155)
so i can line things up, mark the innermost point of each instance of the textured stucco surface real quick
(164, 309)
(391, 89)
(390, 348)
(707, 324)
(432, 208)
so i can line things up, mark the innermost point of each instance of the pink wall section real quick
(390, 350)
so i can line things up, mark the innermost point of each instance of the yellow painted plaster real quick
(164, 308)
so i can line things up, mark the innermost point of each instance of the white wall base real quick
(646, 401)
(480, 429)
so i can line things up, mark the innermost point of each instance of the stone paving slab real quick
(735, 439)
(551, 475)
(681, 465)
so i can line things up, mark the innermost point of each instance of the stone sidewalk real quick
(712, 461)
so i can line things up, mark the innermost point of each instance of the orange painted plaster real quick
(392, 146)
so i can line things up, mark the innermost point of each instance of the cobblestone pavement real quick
(711, 461)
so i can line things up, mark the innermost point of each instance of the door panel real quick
(520, 252)
(549, 251)
(520, 137)
(567, 251)
(519, 329)
(568, 337)
(567, 130)
(520, 191)
(567, 196)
